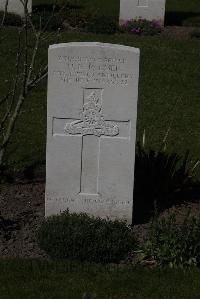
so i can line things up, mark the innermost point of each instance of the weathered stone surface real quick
(15, 6)
(91, 129)
(145, 9)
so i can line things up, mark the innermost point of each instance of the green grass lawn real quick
(179, 12)
(169, 73)
(33, 279)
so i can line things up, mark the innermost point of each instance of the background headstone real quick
(145, 9)
(91, 129)
(15, 6)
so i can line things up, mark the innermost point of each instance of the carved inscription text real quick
(84, 70)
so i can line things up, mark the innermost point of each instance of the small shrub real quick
(78, 17)
(141, 27)
(172, 244)
(84, 238)
(88, 20)
(102, 24)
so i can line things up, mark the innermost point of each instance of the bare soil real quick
(21, 214)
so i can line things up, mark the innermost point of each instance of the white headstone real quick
(145, 9)
(91, 129)
(15, 6)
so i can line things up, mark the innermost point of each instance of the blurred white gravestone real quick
(15, 6)
(145, 9)
(91, 129)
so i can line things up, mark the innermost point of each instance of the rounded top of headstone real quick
(94, 44)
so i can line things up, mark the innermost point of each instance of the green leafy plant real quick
(173, 244)
(159, 178)
(84, 238)
(141, 27)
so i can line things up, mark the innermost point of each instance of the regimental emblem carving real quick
(92, 120)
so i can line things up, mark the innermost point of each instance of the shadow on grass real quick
(177, 18)
(162, 180)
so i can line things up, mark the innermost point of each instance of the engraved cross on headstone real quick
(92, 127)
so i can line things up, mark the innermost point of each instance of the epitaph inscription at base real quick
(92, 109)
